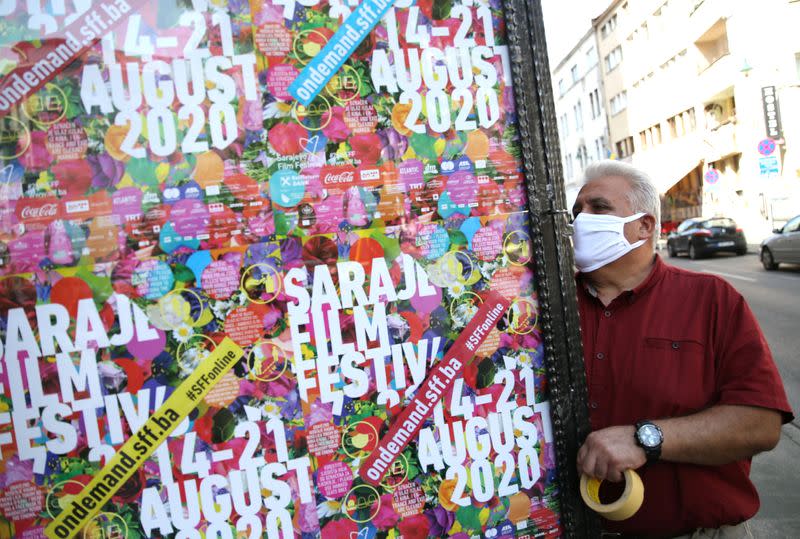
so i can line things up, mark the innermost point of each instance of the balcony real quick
(717, 76)
(721, 141)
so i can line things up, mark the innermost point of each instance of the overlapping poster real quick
(161, 189)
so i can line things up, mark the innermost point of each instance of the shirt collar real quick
(657, 271)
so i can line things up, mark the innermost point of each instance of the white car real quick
(782, 246)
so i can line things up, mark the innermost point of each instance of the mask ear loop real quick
(632, 218)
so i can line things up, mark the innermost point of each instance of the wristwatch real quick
(649, 437)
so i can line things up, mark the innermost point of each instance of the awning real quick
(676, 173)
(669, 163)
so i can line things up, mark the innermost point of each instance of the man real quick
(682, 386)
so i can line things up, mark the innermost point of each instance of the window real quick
(591, 58)
(619, 102)
(564, 124)
(562, 87)
(568, 166)
(650, 136)
(792, 226)
(656, 130)
(682, 123)
(608, 26)
(689, 120)
(613, 59)
(581, 158)
(574, 73)
(624, 147)
(720, 222)
(620, 146)
(578, 110)
(599, 149)
(594, 99)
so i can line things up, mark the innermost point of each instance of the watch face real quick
(649, 435)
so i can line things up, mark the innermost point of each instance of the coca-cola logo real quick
(345, 176)
(39, 212)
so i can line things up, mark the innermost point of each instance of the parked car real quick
(782, 246)
(701, 237)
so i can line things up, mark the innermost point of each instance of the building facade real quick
(692, 89)
(582, 125)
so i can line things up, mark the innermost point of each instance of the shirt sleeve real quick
(746, 372)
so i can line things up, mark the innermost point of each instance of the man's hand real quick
(607, 453)
(716, 436)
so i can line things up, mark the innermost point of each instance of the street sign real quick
(769, 166)
(766, 146)
(772, 115)
(712, 176)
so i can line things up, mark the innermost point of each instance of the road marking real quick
(730, 275)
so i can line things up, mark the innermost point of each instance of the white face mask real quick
(600, 239)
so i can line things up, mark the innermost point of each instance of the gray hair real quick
(643, 195)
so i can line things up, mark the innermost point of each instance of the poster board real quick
(162, 190)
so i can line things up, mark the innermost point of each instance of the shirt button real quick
(600, 355)
(676, 345)
(593, 405)
(607, 314)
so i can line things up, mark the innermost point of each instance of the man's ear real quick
(647, 227)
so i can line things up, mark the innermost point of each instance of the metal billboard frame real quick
(552, 254)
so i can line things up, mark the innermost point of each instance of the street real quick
(774, 297)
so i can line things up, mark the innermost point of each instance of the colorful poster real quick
(161, 189)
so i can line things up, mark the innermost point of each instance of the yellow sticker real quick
(131, 456)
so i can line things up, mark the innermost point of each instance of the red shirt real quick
(676, 344)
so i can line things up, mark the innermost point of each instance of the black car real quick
(702, 237)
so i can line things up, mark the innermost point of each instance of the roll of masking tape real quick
(625, 507)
